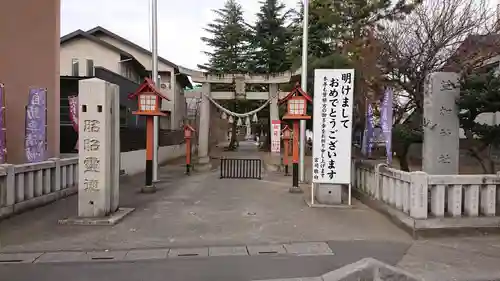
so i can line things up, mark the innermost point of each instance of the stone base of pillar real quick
(273, 162)
(329, 194)
(111, 219)
(295, 190)
(203, 165)
(148, 189)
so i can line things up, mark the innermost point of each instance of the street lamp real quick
(286, 135)
(148, 104)
(296, 111)
(188, 132)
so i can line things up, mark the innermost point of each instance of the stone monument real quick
(440, 124)
(99, 154)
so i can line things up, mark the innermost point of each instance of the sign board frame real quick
(276, 136)
(332, 129)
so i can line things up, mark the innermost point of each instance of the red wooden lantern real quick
(149, 105)
(148, 99)
(296, 104)
(296, 110)
(188, 131)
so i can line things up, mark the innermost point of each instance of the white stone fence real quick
(420, 196)
(25, 186)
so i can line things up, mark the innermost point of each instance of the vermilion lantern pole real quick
(188, 156)
(149, 105)
(296, 111)
(188, 132)
(286, 142)
(295, 154)
(149, 150)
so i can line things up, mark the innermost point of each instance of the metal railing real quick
(240, 168)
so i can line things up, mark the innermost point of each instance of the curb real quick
(286, 249)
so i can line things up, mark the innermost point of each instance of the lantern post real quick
(188, 133)
(149, 105)
(296, 111)
(286, 135)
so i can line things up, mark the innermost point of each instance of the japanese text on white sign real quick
(332, 131)
(276, 136)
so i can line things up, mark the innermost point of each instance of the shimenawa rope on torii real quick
(246, 115)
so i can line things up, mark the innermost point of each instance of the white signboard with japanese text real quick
(276, 136)
(332, 129)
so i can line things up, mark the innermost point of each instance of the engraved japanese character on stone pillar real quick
(91, 126)
(91, 185)
(91, 164)
(444, 111)
(91, 144)
(444, 158)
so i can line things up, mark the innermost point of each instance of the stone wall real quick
(133, 162)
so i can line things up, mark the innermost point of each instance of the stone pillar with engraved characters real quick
(440, 151)
(96, 160)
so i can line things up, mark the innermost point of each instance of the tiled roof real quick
(474, 49)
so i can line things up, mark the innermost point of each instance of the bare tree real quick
(430, 39)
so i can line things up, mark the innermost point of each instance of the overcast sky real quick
(180, 23)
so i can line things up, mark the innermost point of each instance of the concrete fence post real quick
(56, 180)
(378, 181)
(419, 195)
(498, 193)
(8, 186)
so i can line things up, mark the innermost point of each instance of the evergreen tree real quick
(342, 28)
(339, 36)
(480, 94)
(270, 39)
(319, 33)
(229, 41)
(321, 50)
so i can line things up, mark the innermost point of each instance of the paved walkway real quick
(206, 213)
(200, 210)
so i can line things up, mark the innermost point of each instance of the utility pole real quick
(156, 80)
(303, 84)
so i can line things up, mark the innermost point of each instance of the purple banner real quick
(3, 147)
(386, 122)
(35, 134)
(369, 130)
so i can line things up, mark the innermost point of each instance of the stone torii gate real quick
(240, 80)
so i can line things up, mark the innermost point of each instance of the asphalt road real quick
(237, 268)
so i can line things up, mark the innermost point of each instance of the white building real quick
(81, 51)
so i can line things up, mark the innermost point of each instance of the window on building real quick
(123, 116)
(64, 117)
(90, 68)
(75, 67)
(128, 73)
